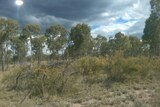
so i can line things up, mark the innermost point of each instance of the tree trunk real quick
(31, 59)
(2, 58)
(39, 59)
(7, 59)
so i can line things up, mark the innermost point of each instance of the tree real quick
(56, 38)
(152, 29)
(135, 48)
(155, 6)
(122, 41)
(119, 43)
(19, 49)
(80, 35)
(37, 47)
(104, 49)
(8, 29)
(99, 44)
(29, 32)
(2, 39)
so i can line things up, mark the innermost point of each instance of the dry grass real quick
(119, 95)
(133, 93)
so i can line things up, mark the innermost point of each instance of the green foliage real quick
(91, 68)
(135, 47)
(155, 5)
(123, 69)
(29, 31)
(8, 29)
(99, 45)
(120, 42)
(56, 38)
(104, 49)
(151, 31)
(37, 47)
(81, 37)
(19, 49)
(90, 65)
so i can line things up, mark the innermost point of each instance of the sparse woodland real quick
(70, 68)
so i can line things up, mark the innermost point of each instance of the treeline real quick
(61, 43)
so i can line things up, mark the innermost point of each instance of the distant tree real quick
(81, 37)
(135, 48)
(119, 43)
(122, 41)
(29, 32)
(56, 38)
(104, 49)
(19, 49)
(37, 47)
(99, 44)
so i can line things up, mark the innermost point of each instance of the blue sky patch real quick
(121, 20)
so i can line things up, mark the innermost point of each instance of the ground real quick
(130, 94)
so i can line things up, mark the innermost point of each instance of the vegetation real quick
(79, 70)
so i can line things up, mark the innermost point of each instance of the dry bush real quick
(40, 81)
(90, 65)
(122, 69)
(68, 78)
(91, 68)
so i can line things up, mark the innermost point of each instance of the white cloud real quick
(112, 28)
(127, 16)
(131, 15)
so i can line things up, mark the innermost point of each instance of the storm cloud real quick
(105, 17)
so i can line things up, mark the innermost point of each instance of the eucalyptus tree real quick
(56, 38)
(37, 47)
(19, 49)
(2, 40)
(28, 33)
(82, 40)
(135, 48)
(8, 29)
(99, 44)
(119, 43)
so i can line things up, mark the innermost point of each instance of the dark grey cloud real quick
(100, 13)
(67, 9)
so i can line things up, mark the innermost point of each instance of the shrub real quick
(40, 81)
(90, 67)
(121, 69)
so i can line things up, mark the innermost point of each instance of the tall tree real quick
(2, 39)
(56, 38)
(80, 35)
(29, 32)
(152, 29)
(8, 29)
(19, 49)
(37, 47)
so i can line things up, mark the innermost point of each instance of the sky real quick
(105, 17)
